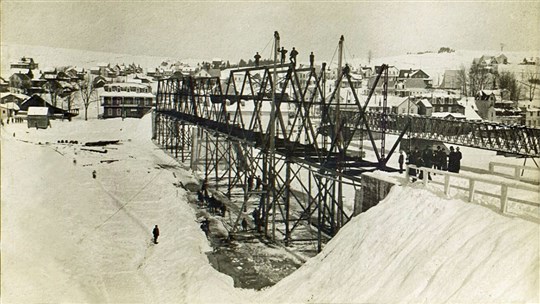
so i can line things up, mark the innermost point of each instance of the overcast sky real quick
(233, 30)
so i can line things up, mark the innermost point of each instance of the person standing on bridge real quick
(155, 232)
(283, 52)
(257, 58)
(293, 55)
(311, 60)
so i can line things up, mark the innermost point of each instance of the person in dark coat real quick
(205, 226)
(443, 159)
(250, 183)
(458, 160)
(155, 232)
(311, 59)
(244, 224)
(258, 182)
(293, 55)
(420, 163)
(283, 52)
(257, 58)
(427, 156)
(452, 160)
(255, 215)
(400, 161)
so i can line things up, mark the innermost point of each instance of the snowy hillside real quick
(48, 57)
(432, 63)
(67, 237)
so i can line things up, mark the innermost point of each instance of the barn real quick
(38, 117)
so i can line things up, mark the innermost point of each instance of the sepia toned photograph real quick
(269, 151)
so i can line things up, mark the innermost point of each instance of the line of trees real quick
(479, 78)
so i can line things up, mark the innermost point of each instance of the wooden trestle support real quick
(224, 127)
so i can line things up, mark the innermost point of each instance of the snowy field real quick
(70, 238)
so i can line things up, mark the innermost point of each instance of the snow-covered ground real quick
(67, 237)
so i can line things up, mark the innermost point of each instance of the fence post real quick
(471, 190)
(446, 184)
(504, 198)
(406, 174)
(425, 176)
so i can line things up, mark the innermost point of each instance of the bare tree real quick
(462, 79)
(533, 80)
(54, 89)
(88, 93)
(479, 78)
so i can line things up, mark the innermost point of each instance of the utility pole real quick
(338, 217)
(272, 148)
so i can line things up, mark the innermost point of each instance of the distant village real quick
(488, 91)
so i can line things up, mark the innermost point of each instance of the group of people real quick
(283, 54)
(213, 204)
(258, 182)
(13, 120)
(428, 158)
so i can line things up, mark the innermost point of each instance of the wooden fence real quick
(472, 189)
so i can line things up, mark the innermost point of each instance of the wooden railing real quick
(518, 170)
(472, 189)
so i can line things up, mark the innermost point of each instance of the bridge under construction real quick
(279, 122)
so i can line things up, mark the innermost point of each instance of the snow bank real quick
(67, 237)
(418, 247)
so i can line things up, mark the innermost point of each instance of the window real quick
(118, 112)
(109, 112)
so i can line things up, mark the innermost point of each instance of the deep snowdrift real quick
(67, 237)
(418, 247)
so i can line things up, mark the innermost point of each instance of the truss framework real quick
(302, 184)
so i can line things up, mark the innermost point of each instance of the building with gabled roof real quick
(410, 73)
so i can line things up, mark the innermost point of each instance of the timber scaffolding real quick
(264, 121)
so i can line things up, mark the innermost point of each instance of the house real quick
(451, 80)
(202, 73)
(424, 107)
(20, 82)
(447, 115)
(26, 63)
(38, 101)
(410, 73)
(4, 85)
(494, 106)
(38, 117)
(531, 116)
(393, 72)
(8, 110)
(126, 99)
(16, 98)
(99, 81)
(411, 86)
(37, 87)
(530, 61)
(470, 109)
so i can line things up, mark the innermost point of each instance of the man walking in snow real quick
(156, 234)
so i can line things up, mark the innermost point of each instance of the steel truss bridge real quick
(278, 122)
